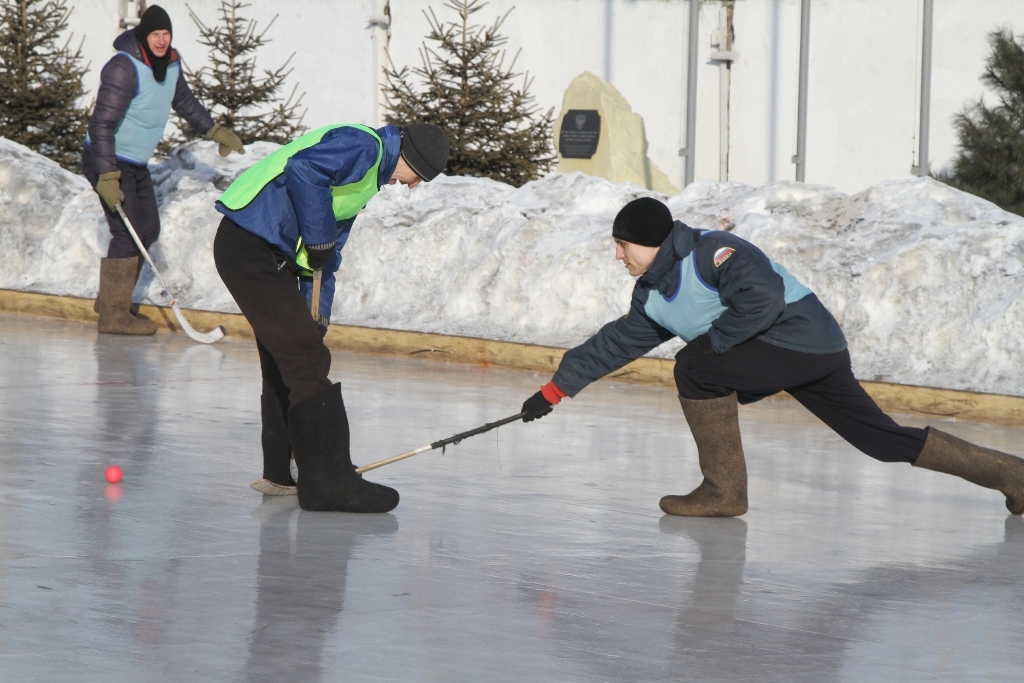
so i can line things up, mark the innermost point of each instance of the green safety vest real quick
(346, 200)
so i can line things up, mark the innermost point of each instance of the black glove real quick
(695, 351)
(317, 257)
(536, 407)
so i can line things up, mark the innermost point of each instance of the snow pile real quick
(924, 279)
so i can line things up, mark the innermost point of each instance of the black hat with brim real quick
(425, 149)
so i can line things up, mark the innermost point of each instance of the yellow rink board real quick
(966, 405)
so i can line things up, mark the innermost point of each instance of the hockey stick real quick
(314, 306)
(450, 441)
(208, 338)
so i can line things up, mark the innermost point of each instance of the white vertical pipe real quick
(926, 91)
(723, 121)
(380, 25)
(725, 57)
(691, 91)
(800, 159)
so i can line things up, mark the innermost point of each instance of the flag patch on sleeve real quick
(722, 255)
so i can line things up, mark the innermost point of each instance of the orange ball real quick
(113, 474)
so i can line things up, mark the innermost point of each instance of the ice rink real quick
(533, 553)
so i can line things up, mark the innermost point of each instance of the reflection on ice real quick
(534, 553)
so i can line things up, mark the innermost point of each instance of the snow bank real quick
(924, 279)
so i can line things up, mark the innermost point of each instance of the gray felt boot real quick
(982, 466)
(114, 301)
(716, 429)
(134, 307)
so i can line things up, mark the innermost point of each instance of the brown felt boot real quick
(716, 429)
(134, 307)
(114, 301)
(982, 466)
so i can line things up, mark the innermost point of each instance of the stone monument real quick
(597, 133)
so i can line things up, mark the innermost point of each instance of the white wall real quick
(331, 40)
(864, 69)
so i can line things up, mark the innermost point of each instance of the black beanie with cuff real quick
(425, 149)
(644, 221)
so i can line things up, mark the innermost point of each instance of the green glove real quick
(109, 188)
(229, 142)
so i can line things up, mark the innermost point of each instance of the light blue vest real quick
(138, 134)
(695, 305)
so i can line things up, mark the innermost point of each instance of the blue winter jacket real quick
(119, 86)
(705, 282)
(298, 202)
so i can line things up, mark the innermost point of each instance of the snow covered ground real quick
(924, 279)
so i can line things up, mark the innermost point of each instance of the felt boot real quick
(318, 431)
(277, 451)
(716, 429)
(134, 307)
(982, 466)
(114, 301)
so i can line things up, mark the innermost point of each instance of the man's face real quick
(404, 174)
(635, 257)
(159, 41)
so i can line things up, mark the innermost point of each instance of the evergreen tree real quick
(239, 98)
(41, 81)
(990, 157)
(493, 125)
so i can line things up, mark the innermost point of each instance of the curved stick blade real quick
(214, 335)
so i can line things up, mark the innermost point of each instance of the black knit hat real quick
(153, 19)
(644, 221)
(425, 149)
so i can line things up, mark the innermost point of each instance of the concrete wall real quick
(865, 61)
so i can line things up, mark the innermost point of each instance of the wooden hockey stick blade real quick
(208, 338)
(214, 335)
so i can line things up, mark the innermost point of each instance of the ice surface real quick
(535, 552)
(924, 279)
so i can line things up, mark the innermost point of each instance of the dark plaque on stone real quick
(581, 129)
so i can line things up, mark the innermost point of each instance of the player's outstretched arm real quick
(615, 345)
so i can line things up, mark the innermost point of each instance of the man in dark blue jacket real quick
(285, 218)
(138, 88)
(751, 330)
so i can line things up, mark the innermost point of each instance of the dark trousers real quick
(293, 356)
(139, 205)
(823, 383)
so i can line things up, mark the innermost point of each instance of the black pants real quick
(823, 383)
(139, 205)
(293, 356)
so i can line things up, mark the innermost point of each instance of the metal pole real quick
(691, 92)
(926, 92)
(800, 159)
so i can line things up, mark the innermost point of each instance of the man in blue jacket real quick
(138, 88)
(284, 218)
(751, 330)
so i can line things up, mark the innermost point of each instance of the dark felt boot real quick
(318, 430)
(982, 466)
(114, 301)
(277, 451)
(716, 429)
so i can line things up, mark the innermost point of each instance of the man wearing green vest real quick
(287, 216)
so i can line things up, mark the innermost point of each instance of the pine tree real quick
(41, 81)
(990, 157)
(230, 87)
(493, 125)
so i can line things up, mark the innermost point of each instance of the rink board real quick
(965, 405)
